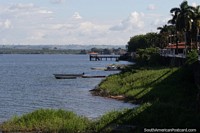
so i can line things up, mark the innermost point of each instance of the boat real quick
(67, 76)
(98, 68)
(95, 76)
(112, 68)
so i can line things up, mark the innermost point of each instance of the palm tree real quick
(163, 29)
(196, 23)
(173, 22)
(182, 19)
(165, 32)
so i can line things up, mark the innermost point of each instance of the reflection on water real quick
(27, 83)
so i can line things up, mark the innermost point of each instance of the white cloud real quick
(87, 25)
(134, 21)
(6, 24)
(32, 24)
(45, 12)
(21, 6)
(61, 26)
(76, 16)
(194, 4)
(92, 30)
(29, 9)
(159, 20)
(57, 1)
(151, 7)
(35, 36)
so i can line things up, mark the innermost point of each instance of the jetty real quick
(97, 57)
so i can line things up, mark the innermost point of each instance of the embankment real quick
(167, 96)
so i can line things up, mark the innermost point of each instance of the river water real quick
(27, 84)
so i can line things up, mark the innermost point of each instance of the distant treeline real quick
(60, 51)
(39, 51)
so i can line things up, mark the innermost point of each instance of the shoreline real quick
(96, 92)
(99, 92)
(123, 98)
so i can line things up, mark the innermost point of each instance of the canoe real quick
(67, 76)
(84, 76)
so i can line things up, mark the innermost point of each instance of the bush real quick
(192, 57)
(148, 56)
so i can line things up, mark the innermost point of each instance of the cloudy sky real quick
(108, 22)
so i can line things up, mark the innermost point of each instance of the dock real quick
(97, 57)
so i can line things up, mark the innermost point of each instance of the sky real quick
(83, 22)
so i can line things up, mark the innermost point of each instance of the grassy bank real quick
(166, 98)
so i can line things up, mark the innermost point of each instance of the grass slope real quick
(167, 97)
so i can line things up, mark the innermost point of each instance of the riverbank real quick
(166, 98)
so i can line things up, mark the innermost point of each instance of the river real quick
(27, 84)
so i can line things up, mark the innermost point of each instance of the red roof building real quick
(181, 45)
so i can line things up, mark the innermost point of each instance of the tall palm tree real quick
(182, 19)
(173, 21)
(196, 23)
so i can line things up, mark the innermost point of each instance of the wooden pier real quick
(97, 57)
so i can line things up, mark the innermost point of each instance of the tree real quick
(143, 41)
(153, 40)
(166, 32)
(138, 41)
(182, 19)
(196, 23)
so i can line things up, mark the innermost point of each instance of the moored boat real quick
(93, 76)
(67, 76)
(112, 68)
(98, 68)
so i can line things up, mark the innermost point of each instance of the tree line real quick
(107, 51)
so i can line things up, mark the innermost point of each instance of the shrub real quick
(191, 57)
(148, 56)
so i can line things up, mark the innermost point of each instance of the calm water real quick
(27, 83)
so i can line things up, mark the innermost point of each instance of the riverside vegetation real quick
(166, 98)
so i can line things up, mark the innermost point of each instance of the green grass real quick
(47, 120)
(134, 84)
(167, 97)
(165, 84)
